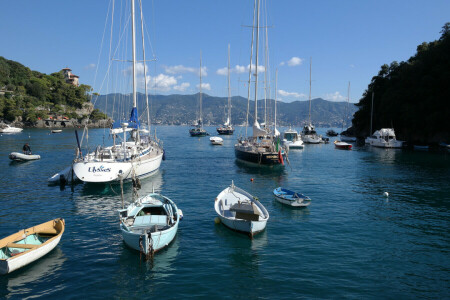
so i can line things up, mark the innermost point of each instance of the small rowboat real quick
(56, 130)
(240, 211)
(215, 140)
(291, 198)
(23, 157)
(28, 245)
(342, 145)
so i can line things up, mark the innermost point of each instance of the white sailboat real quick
(309, 134)
(198, 129)
(139, 156)
(346, 137)
(227, 128)
(240, 211)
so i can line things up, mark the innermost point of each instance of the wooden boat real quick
(150, 223)
(291, 198)
(215, 140)
(17, 156)
(28, 245)
(342, 145)
(240, 211)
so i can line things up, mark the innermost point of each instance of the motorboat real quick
(17, 156)
(10, 129)
(342, 145)
(28, 245)
(310, 136)
(384, 138)
(150, 223)
(215, 140)
(292, 140)
(331, 132)
(291, 198)
(241, 211)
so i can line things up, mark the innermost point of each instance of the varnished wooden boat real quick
(28, 245)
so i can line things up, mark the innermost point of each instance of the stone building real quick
(69, 77)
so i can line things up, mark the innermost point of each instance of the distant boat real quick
(384, 138)
(215, 140)
(345, 137)
(240, 211)
(28, 245)
(17, 156)
(331, 132)
(150, 223)
(198, 129)
(56, 131)
(342, 145)
(292, 140)
(10, 129)
(227, 128)
(291, 198)
(309, 134)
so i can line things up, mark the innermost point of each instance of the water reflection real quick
(41, 271)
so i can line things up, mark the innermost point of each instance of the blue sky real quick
(347, 40)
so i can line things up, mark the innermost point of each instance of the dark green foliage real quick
(26, 90)
(413, 96)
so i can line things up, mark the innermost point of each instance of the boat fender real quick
(386, 194)
(164, 155)
(180, 212)
(217, 220)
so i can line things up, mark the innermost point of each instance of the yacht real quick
(292, 140)
(198, 127)
(10, 129)
(309, 134)
(384, 138)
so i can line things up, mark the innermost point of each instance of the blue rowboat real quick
(291, 198)
(150, 223)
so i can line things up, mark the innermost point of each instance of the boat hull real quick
(160, 239)
(105, 171)
(243, 226)
(68, 176)
(17, 156)
(292, 203)
(307, 139)
(225, 131)
(269, 158)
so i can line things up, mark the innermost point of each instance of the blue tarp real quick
(133, 122)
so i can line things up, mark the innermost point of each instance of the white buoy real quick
(386, 194)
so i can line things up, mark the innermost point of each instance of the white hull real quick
(216, 140)
(23, 157)
(107, 171)
(11, 264)
(294, 145)
(383, 144)
(311, 139)
(296, 203)
(160, 239)
(229, 197)
(9, 129)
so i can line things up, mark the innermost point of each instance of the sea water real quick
(351, 242)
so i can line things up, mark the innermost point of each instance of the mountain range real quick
(183, 110)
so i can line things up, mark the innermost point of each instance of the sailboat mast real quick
(133, 36)
(145, 66)
(276, 86)
(310, 63)
(229, 92)
(371, 114)
(250, 67)
(266, 48)
(201, 121)
(256, 64)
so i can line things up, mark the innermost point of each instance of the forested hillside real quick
(412, 96)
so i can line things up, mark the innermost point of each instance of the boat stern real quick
(100, 171)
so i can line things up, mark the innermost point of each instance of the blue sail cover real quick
(133, 122)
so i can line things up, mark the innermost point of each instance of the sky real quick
(347, 41)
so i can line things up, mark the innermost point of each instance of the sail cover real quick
(133, 122)
(257, 131)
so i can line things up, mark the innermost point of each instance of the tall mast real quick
(371, 114)
(133, 35)
(250, 67)
(276, 86)
(229, 92)
(310, 63)
(145, 66)
(201, 121)
(266, 55)
(348, 103)
(256, 63)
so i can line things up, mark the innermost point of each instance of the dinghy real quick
(215, 140)
(56, 130)
(150, 223)
(240, 211)
(291, 198)
(65, 176)
(342, 145)
(28, 245)
(17, 156)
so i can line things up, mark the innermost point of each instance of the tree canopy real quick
(411, 96)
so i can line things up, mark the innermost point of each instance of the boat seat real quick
(24, 246)
(150, 220)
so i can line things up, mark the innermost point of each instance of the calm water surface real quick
(351, 242)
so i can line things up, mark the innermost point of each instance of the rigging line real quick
(145, 67)
(109, 59)
(250, 68)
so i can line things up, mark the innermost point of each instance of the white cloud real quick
(89, 66)
(282, 63)
(294, 61)
(182, 87)
(180, 69)
(291, 94)
(336, 96)
(205, 86)
(162, 82)
(222, 71)
(240, 69)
